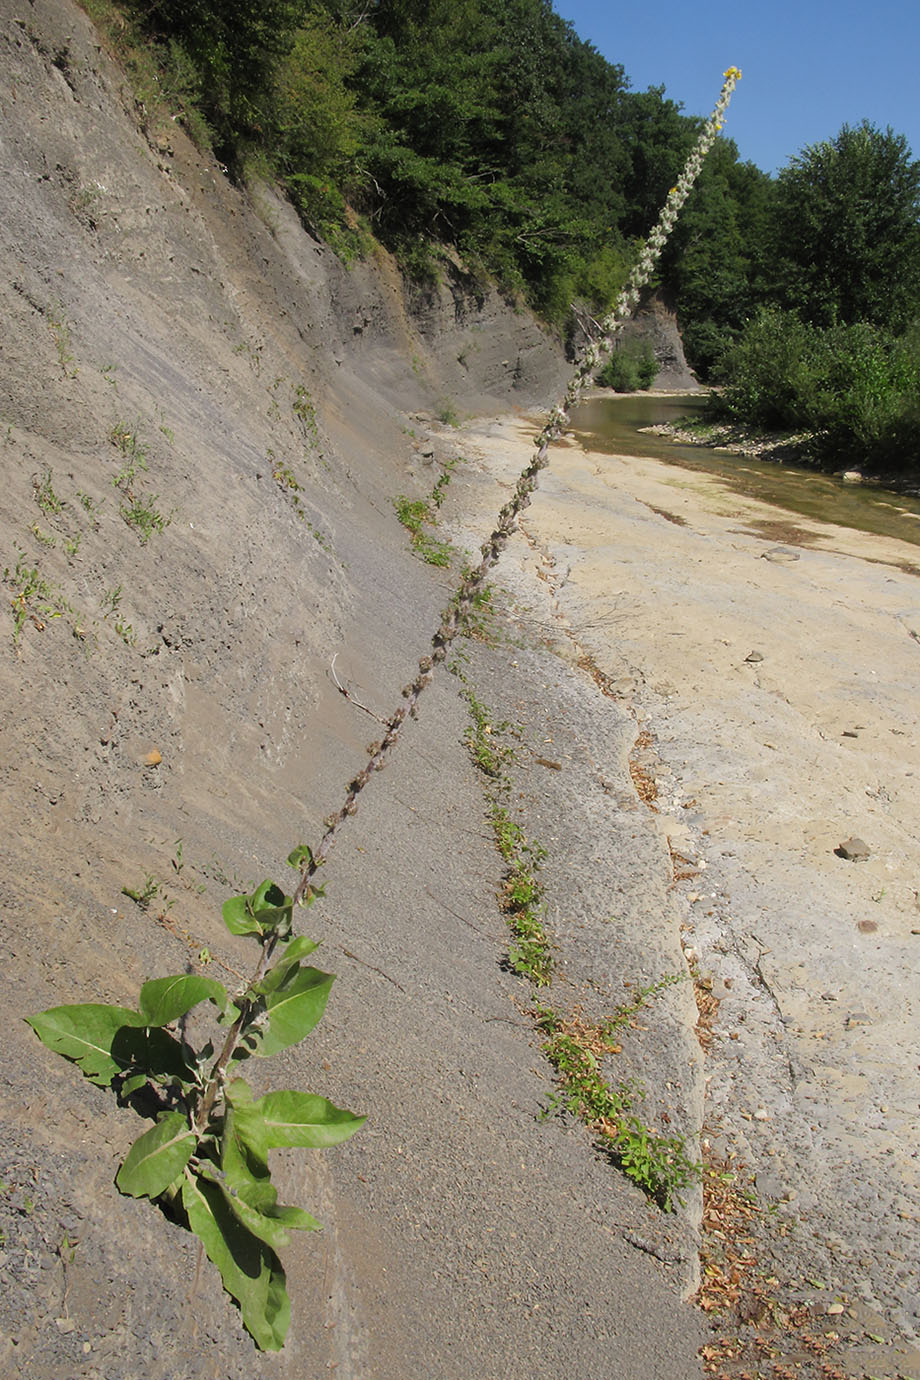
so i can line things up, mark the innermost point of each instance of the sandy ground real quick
(774, 688)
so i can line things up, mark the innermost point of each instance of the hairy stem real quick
(218, 1074)
(593, 354)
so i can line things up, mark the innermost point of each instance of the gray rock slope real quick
(204, 421)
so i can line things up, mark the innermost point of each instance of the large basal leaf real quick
(244, 1153)
(86, 1034)
(166, 999)
(158, 1157)
(294, 1008)
(250, 1270)
(298, 1118)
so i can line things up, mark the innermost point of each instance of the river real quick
(613, 425)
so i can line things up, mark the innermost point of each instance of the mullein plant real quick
(205, 1157)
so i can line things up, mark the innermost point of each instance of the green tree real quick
(234, 45)
(714, 263)
(846, 237)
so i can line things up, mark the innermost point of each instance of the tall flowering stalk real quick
(594, 352)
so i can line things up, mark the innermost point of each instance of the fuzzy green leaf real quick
(151, 1050)
(158, 1157)
(265, 910)
(294, 1008)
(301, 856)
(244, 1153)
(85, 1034)
(238, 916)
(166, 999)
(132, 1084)
(250, 1270)
(272, 1225)
(297, 1118)
(297, 949)
(271, 907)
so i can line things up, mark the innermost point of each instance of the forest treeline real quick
(492, 127)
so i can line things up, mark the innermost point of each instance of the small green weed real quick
(658, 1164)
(305, 411)
(111, 600)
(33, 598)
(440, 488)
(288, 483)
(141, 514)
(83, 201)
(623, 1015)
(45, 497)
(447, 414)
(143, 895)
(414, 514)
(251, 353)
(490, 755)
(521, 895)
(60, 334)
(178, 866)
(43, 538)
(128, 442)
(90, 505)
(522, 899)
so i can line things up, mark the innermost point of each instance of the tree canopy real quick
(845, 230)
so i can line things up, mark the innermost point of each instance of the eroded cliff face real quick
(204, 422)
(206, 419)
(656, 322)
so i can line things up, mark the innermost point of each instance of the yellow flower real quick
(733, 74)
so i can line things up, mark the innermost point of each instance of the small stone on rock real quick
(854, 850)
(782, 555)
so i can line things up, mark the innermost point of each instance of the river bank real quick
(770, 663)
(787, 448)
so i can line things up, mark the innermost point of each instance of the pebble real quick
(782, 555)
(854, 850)
(754, 656)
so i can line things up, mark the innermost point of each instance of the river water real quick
(612, 425)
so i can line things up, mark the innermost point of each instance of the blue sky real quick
(809, 66)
